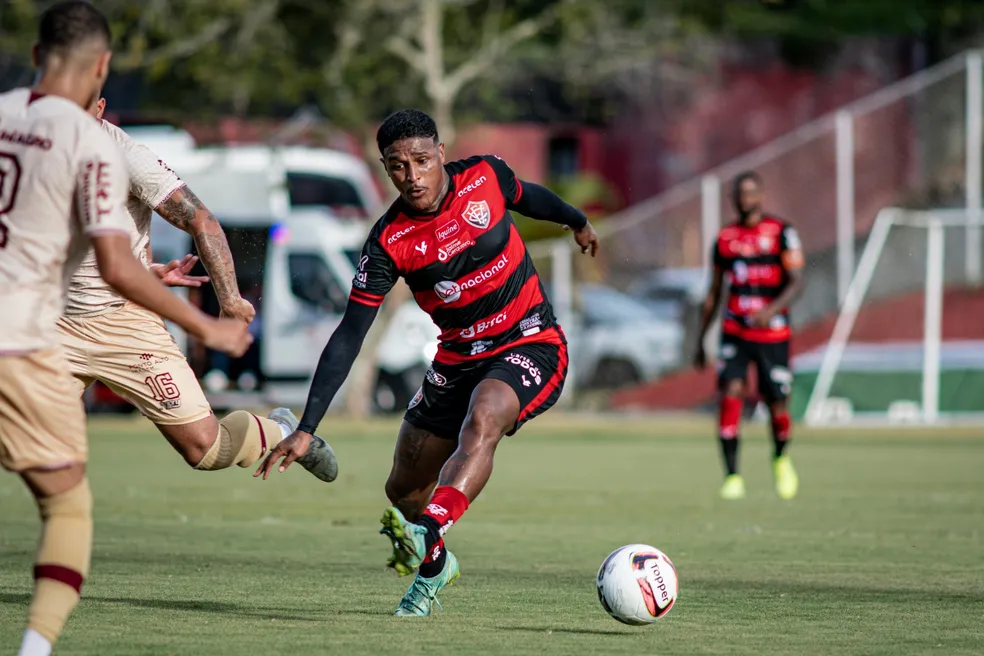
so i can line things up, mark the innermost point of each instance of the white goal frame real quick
(820, 411)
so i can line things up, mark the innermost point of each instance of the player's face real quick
(749, 197)
(416, 167)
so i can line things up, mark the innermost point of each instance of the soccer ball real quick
(637, 584)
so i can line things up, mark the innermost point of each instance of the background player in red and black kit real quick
(502, 357)
(762, 259)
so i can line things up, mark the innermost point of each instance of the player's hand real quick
(290, 449)
(240, 309)
(700, 357)
(176, 272)
(230, 336)
(586, 238)
(761, 318)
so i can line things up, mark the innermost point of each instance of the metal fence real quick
(915, 143)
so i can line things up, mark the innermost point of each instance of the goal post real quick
(836, 400)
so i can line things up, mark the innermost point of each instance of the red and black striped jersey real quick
(756, 261)
(466, 265)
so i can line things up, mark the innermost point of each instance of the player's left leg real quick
(131, 351)
(42, 438)
(775, 386)
(241, 438)
(517, 386)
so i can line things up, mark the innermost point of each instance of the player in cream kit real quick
(129, 348)
(63, 185)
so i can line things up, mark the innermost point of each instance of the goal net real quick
(908, 343)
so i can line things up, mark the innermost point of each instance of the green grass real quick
(882, 552)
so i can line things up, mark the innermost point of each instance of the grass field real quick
(882, 553)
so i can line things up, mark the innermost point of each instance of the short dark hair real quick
(68, 25)
(746, 175)
(405, 124)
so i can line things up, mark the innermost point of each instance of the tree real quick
(422, 44)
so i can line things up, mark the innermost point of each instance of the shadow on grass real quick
(181, 605)
(820, 591)
(547, 629)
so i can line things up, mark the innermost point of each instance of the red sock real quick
(435, 552)
(446, 506)
(780, 426)
(780, 431)
(729, 417)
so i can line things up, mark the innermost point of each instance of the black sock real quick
(729, 449)
(780, 446)
(433, 530)
(430, 569)
(434, 567)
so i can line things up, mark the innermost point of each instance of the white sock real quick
(285, 429)
(34, 644)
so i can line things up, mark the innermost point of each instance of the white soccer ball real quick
(637, 584)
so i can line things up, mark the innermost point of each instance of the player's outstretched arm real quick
(184, 210)
(708, 311)
(125, 274)
(333, 368)
(541, 204)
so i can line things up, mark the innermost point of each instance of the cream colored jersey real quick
(62, 179)
(151, 183)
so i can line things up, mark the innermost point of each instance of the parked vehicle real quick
(296, 219)
(618, 340)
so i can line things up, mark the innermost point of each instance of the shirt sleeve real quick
(102, 186)
(375, 274)
(719, 259)
(509, 184)
(791, 249)
(533, 200)
(151, 180)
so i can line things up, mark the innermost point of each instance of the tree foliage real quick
(356, 60)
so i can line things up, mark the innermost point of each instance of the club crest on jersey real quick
(477, 214)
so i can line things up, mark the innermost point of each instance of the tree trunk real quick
(362, 379)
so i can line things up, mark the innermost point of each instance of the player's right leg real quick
(734, 360)
(42, 438)
(417, 462)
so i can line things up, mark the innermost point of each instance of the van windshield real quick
(316, 190)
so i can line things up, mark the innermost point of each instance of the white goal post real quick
(822, 409)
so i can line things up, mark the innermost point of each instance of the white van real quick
(296, 219)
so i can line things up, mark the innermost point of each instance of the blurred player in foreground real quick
(62, 186)
(129, 349)
(762, 259)
(502, 358)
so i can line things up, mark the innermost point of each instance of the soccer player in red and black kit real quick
(502, 357)
(762, 260)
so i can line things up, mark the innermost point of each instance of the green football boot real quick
(787, 482)
(409, 546)
(422, 595)
(733, 488)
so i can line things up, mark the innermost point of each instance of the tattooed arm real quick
(184, 210)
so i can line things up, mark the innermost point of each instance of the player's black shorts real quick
(535, 371)
(775, 380)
